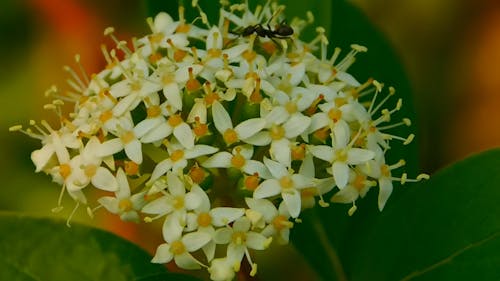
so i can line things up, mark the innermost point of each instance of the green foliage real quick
(46, 249)
(444, 229)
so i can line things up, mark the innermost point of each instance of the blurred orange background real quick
(450, 49)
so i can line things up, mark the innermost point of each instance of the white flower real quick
(277, 220)
(124, 204)
(341, 155)
(221, 270)
(178, 156)
(239, 239)
(205, 219)
(242, 131)
(285, 183)
(239, 159)
(178, 248)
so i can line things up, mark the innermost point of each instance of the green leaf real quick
(446, 228)
(46, 249)
(443, 229)
(331, 226)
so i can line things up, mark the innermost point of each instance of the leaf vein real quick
(449, 258)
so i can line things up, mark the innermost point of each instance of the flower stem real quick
(329, 249)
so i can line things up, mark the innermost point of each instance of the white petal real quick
(160, 132)
(346, 195)
(280, 150)
(223, 235)
(160, 169)
(235, 253)
(218, 160)
(222, 216)
(342, 134)
(253, 166)
(42, 156)
(163, 254)
(347, 78)
(260, 139)
(157, 207)
(110, 147)
(110, 203)
(250, 127)
(318, 121)
(173, 96)
(222, 120)
(277, 169)
(172, 228)
(103, 179)
(257, 241)
(145, 126)
(126, 104)
(322, 152)
(298, 71)
(263, 206)
(199, 150)
(134, 151)
(292, 201)
(175, 185)
(184, 135)
(385, 191)
(186, 261)
(267, 188)
(277, 116)
(297, 124)
(340, 173)
(302, 181)
(195, 240)
(192, 201)
(357, 156)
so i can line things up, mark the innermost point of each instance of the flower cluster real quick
(226, 136)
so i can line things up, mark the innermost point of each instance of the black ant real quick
(281, 31)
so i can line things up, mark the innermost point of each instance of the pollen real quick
(204, 219)
(239, 238)
(200, 129)
(197, 174)
(175, 120)
(106, 116)
(280, 222)
(178, 203)
(179, 55)
(230, 136)
(359, 182)
(286, 182)
(299, 152)
(249, 55)
(177, 248)
(238, 161)
(192, 84)
(335, 114)
(340, 155)
(277, 132)
(154, 111)
(131, 168)
(65, 170)
(90, 170)
(252, 182)
(177, 155)
(128, 137)
(168, 78)
(291, 107)
(125, 205)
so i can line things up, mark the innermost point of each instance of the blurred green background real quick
(450, 49)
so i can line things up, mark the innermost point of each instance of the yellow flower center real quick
(127, 137)
(230, 136)
(64, 170)
(175, 120)
(239, 238)
(286, 182)
(90, 170)
(154, 111)
(177, 248)
(277, 132)
(178, 203)
(204, 219)
(125, 205)
(177, 155)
